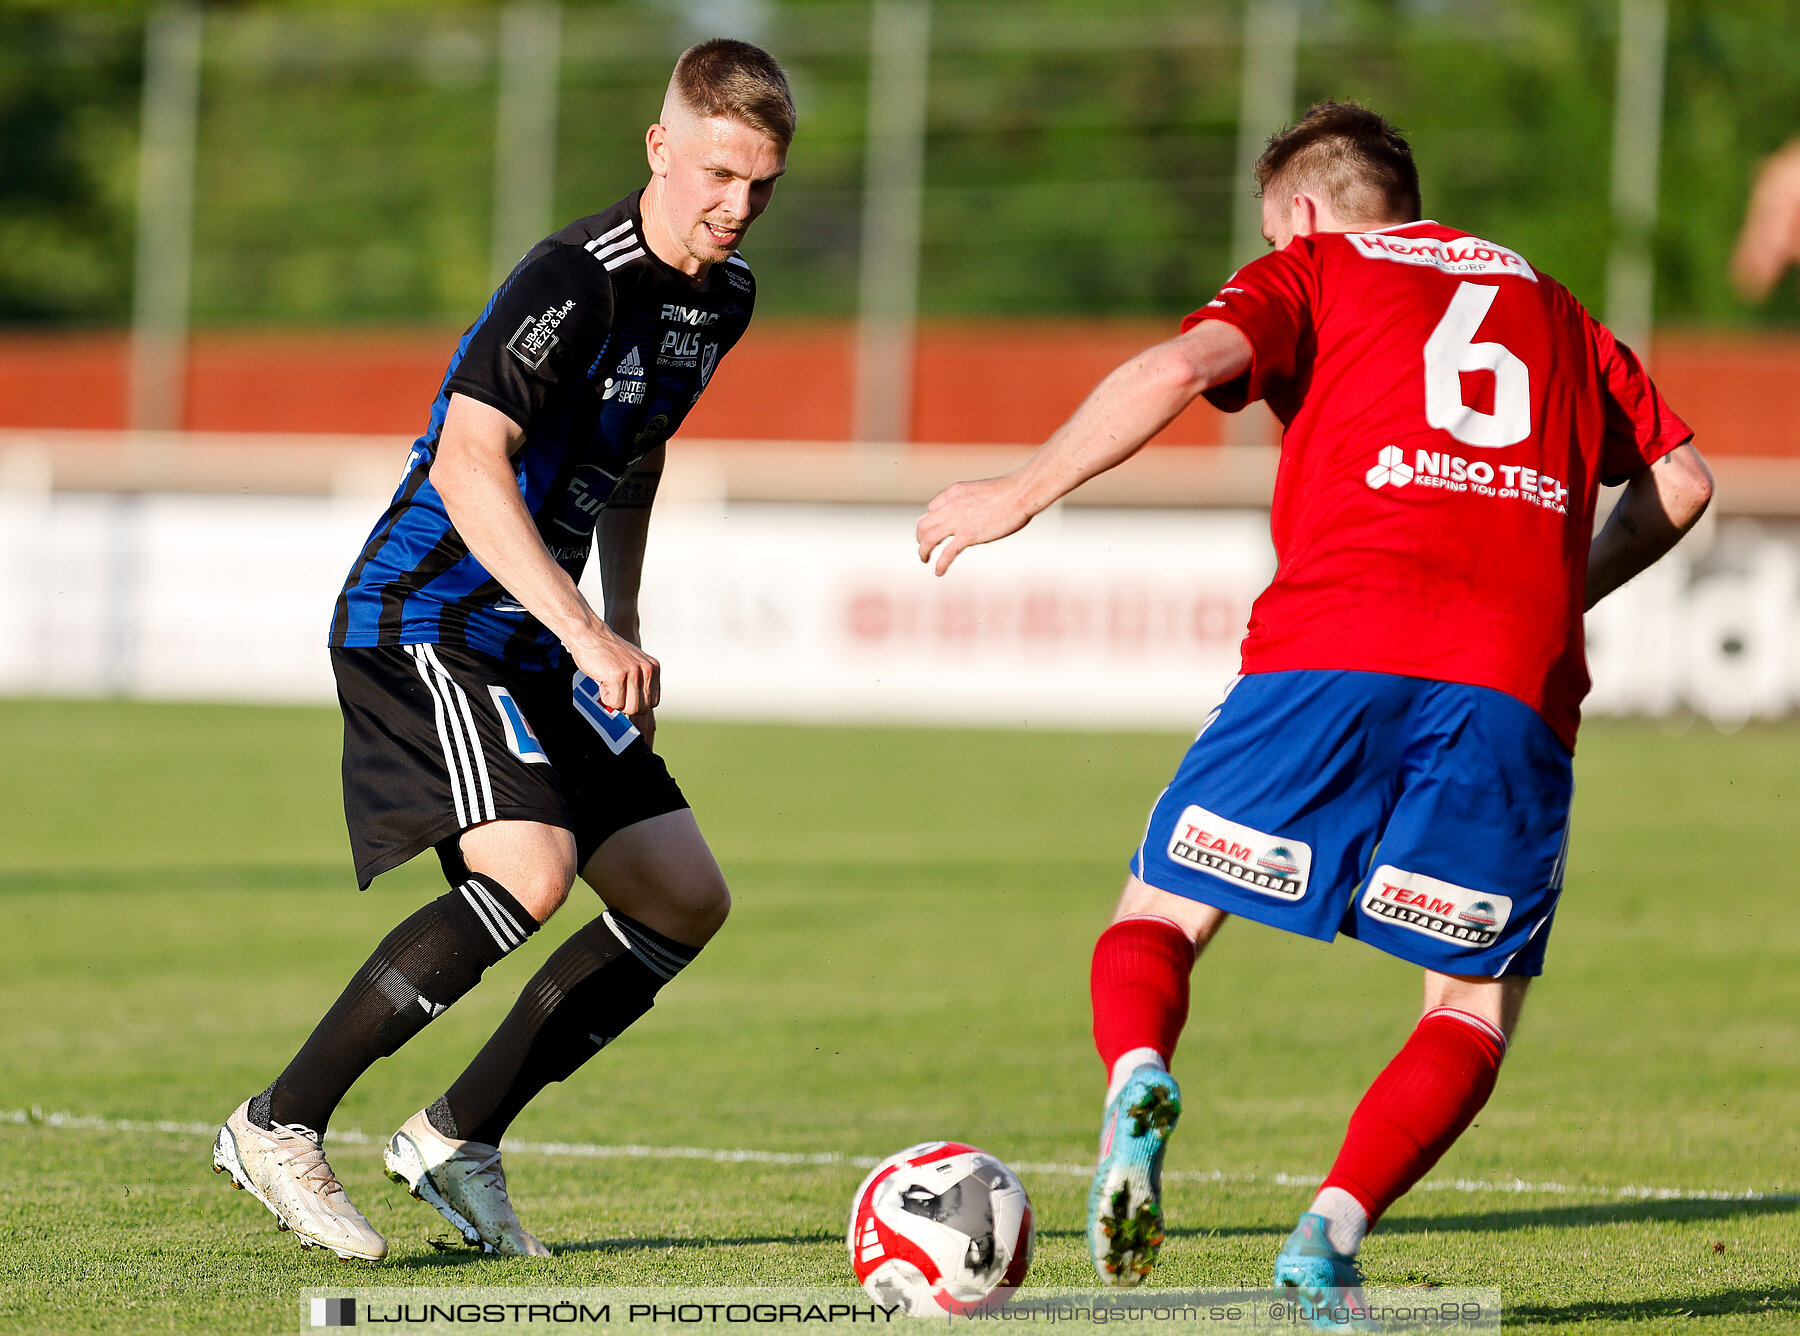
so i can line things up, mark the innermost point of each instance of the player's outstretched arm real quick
(1131, 405)
(1656, 508)
(473, 473)
(619, 540)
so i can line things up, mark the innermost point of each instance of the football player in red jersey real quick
(1393, 762)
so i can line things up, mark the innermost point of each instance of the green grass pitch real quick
(907, 959)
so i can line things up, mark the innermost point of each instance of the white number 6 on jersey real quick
(1449, 352)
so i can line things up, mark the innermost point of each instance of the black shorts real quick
(438, 738)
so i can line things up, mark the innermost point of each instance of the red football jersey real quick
(1449, 417)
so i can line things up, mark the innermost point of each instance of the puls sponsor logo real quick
(1464, 255)
(536, 335)
(1452, 473)
(1249, 858)
(680, 348)
(1436, 908)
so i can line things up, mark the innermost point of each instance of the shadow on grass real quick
(648, 1243)
(1549, 1217)
(1595, 1213)
(459, 1255)
(185, 876)
(1640, 1310)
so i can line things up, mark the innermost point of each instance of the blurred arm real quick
(619, 540)
(1770, 241)
(1133, 403)
(1657, 507)
(473, 473)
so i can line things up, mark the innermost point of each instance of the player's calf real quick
(1140, 994)
(593, 987)
(1413, 1113)
(421, 968)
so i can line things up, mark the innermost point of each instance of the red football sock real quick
(1140, 986)
(1417, 1107)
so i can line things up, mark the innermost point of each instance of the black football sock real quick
(593, 986)
(419, 969)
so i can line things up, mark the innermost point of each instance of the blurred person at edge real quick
(1770, 241)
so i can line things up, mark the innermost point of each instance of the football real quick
(941, 1228)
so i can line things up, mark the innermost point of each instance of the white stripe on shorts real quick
(486, 803)
(463, 757)
(451, 766)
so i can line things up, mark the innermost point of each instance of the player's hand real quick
(646, 724)
(967, 513)
(630, 681)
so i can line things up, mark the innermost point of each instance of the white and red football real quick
(941, 1228)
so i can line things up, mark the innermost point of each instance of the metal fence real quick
(993, 157)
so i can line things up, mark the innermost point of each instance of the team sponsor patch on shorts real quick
(1268, 864)
(520, 740)
(1436, 908)
(615, 729)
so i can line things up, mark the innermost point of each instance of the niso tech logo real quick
(1452, 473)
(1390, 467)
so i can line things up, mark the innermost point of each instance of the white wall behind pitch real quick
(1086, 617)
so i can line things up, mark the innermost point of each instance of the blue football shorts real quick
(1428, 819)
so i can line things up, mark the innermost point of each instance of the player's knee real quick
(712, 902)
(542, 893)
(536, 863)
(690, 909)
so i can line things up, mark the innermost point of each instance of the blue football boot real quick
(1324, 1280)
(1125, 1223)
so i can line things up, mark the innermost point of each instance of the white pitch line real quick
(589, 1150)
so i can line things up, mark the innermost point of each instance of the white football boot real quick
(464, 1181)
(285, 1170)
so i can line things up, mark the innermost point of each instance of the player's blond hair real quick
(1349, 156)
(726, 77)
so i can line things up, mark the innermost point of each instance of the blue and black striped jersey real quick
(597, 349)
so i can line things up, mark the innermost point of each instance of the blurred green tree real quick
(1081, 158)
